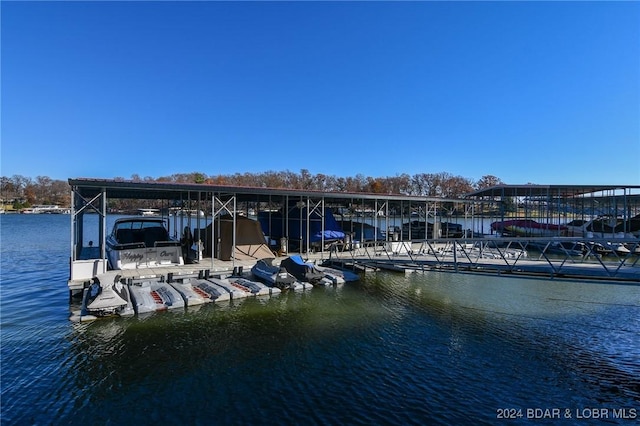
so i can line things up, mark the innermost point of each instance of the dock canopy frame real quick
(94, 200)
(558, 203)
(88, 258)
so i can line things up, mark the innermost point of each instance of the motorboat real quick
(182, 212)
(44, 209)
(110, 295)
(302, 226)
(604, 227)
(151, 295)
(610, 228)
(338, 276)
(142, 242)
(272, 275)
(420, 230)
(236, 292)
(276, 276)
(196, 290)
(528, 228)
(451, 230)
(305, 271)
(107, 295)
(148, 212)
(256, 288)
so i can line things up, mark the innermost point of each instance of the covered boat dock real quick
(367, 231)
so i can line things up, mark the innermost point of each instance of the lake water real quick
(437, 348)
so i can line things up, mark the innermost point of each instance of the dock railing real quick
(552, 257)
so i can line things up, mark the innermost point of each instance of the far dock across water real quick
(549, 231)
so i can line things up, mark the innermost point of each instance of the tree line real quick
(21, 191)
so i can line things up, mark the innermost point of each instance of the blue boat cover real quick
(298, 259)
(273, 225)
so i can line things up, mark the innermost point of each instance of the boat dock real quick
(45, 209)
(499, 264)
(368, 232)
(505, 262)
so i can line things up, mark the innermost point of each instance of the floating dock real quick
(387, 244)
(508, 256)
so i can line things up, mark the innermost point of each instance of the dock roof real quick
(88, 187)
(128, 189)
(564, 191)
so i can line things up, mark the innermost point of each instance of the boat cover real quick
(303, 271)
(363, 231)
(273, 223)
(250, 241)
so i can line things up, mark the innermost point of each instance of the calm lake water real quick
(437, 348)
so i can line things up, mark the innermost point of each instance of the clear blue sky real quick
(541, 92)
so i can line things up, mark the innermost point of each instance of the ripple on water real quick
(392, 349)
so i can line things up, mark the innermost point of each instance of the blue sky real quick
(540, 92)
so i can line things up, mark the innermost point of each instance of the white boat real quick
(107, 295)
(215, 292)
(234, 291)
(300, 286)
(602, 227)
(142, 242)
(254, 287)
(180, 212)
(151, 295)
(528, 228)
(606, 227)
(197, 291)
(338, 276)
(135, 243)
(46, 209)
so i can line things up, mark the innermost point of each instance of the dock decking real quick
(388, 215)
(501, 262)
(510, 259)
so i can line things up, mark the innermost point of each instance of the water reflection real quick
(389, 349)
(587, 330)
(225, 344)
(433, 348)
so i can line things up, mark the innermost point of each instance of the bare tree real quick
(456, 186)
(488, 181)
(44, 190)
